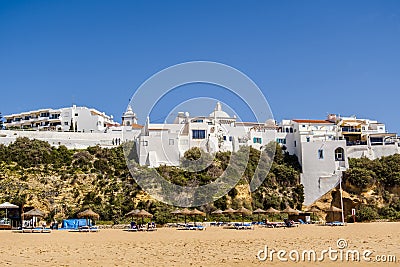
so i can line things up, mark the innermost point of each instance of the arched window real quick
(128, 123)
(339, 154)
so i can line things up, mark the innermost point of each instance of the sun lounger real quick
(41, 230)
(336, 223)
(244, 226)
(274, 224)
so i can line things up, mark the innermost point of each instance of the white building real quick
(74, 127)
(322, 146)
(165, 144)
(70, 119)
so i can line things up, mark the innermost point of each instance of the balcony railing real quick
(356, 143)
(351, 130)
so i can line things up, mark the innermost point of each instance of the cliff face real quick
(62, 182)
(369, 186)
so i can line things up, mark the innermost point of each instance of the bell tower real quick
(129, 117)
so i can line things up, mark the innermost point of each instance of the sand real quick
(212, 247)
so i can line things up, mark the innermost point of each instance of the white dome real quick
(218, 113)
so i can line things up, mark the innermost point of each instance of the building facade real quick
(74, 127)
(70, 119)
(322, 146)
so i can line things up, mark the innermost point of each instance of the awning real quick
(383, 135)
(351, 123)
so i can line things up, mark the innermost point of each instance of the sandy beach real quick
(212, 247)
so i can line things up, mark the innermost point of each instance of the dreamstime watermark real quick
(339, 254)
(171, 143)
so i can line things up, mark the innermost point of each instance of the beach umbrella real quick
(196, 212)
(8, 205)
(258, 212)
(290, 211)
(185, 212)
(217, 212)
(229, 211)
(243, 211)
(271, 210)
(143, 214)
(33, 214)
(132, 213)
(176, 212)
(89, 213)
(332, 210)
(313, 210)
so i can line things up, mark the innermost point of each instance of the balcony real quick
(356, 143)
(350, 130)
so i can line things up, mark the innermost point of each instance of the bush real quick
(366, 213)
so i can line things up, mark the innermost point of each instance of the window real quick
(230, 138)
(339, 154)
(257, 140)
(171, 142)
(295, 143)
(224, 137)
(66, 123)
(198, 134)
(320, 153)
(76, 114)
(308, 139)
(291, 130)
(281, 141)
(197, 121)
(145, 143)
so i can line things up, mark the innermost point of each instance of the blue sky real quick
(309, 58)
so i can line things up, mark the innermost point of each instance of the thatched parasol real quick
(313, 209)
(177, 212)
(33, 213)
(196, 212)
(332, 210)
(8, 205)
(217, 212)
(272, 211)
(243, 211)
(143, 214)
(258, 212)
(289, 211)
(186, 212)
(132, 213)
(229, 211)
(89, 213)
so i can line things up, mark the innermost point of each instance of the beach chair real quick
(132, 228)
(290, 223)
(335, 223)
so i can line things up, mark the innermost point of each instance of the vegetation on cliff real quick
(63, 182)
(376, 183)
